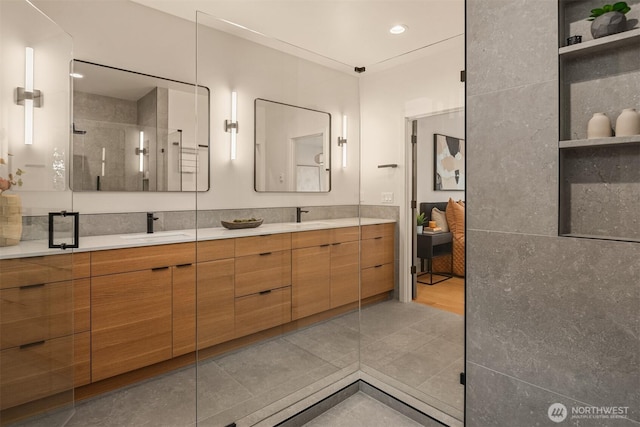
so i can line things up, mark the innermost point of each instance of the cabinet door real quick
(184, 309)
(376, 280)
(130, 321)
(344, 273)
(215, 302)
(310, 281)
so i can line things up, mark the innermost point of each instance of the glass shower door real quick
(44, 289)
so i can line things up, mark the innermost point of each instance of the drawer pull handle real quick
(376, 238)
(324, 246)
(32, 344)
(37, 285)
(184, 265)
(265, 292)
(336, 244)
(159, 268)
(265, 253)
(378, 266)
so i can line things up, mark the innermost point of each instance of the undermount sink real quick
(312, 224)
(158, 235)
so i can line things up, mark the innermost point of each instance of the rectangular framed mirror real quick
(292, 148)
(136, 132)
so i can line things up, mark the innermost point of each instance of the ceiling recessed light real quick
(398, 29)
(76, 75)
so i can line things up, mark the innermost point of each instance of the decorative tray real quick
(242, 223)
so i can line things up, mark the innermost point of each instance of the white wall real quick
(450, 124)
(133, 37)
(421, 87)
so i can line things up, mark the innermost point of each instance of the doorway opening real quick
(437, 186)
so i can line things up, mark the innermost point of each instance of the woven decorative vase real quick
(10, 220)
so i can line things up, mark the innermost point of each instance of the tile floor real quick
(418, 347)
(361, 410)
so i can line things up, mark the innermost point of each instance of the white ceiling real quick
(342, 34)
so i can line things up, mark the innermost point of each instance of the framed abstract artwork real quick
(449, 159)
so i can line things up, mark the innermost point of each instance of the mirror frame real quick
(195, 85)
(255, 145)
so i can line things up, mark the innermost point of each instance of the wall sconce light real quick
(28, 97)
(342, 141)
(232, 125)
(141, 151)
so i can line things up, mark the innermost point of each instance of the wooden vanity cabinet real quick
(325, 270)
(44, 324)
(377, 259)
(262, 285)
(132, 306)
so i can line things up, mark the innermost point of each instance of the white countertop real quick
(31, 248)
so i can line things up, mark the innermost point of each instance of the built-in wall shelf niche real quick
(599, 142)
(604, 43)
(599, 178)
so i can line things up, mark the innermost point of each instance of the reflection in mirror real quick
(292, 149)
(135, 132)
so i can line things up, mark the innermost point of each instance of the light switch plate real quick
(387, 197)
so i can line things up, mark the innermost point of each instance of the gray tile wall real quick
(549, 319)
(36, 227)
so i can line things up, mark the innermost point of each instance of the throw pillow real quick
(440, 218)
(455, 218)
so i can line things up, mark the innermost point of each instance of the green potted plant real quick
(609, 19)
(420, 220)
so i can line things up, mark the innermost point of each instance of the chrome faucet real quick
(299, 213)
(150, 219)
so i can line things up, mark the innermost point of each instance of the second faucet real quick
(299, 213)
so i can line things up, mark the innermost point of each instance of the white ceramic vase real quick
(628, 123)
(599, 126)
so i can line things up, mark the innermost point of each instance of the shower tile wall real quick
(549, 319)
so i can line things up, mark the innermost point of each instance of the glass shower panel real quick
(417, 347)
(277, 305)
(44, 338)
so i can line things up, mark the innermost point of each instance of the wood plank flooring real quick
(447, 295)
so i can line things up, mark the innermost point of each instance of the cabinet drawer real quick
(35, 313)
(262, 311)
(81, 359)
(305, 239)
(378, 230)
(211, 250)
(261, 244)
(35, 371)
(376, 251)
(256, 273)
(345, 234)
(43, 269)
(142, 258)
(376, 280)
